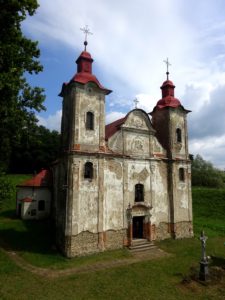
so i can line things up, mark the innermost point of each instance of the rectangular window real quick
(41, 205)
(33, 212)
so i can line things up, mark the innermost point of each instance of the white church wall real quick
(183, 203)
(113, 194)
(160, 198)
(178, 121)
(85, 198)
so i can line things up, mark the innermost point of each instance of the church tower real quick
(83, 119)
(77, 189)
(169, 119)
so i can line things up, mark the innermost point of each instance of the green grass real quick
(209, 211)
(154, 279)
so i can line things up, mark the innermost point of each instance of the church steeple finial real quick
(167, 68)
(86, 31)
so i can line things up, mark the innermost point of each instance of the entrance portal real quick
(138, 226)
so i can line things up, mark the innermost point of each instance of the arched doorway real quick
(138, 227)
(139, 222)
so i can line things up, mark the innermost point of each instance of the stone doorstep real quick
(140, 245)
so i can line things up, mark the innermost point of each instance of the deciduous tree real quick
(205, 174)
(18, 100)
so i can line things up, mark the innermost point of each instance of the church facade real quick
(128, 180)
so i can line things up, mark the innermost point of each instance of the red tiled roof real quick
(168, 101)
(42, 179)
(27, 199)
(84, 77)
(113, 127)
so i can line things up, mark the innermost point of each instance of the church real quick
(127, 180)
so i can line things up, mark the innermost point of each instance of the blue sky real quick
(130, 41)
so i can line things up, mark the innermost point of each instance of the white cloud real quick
(212, 149)
(52, 122)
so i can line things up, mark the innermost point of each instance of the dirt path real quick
(49, 273)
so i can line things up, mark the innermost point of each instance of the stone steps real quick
(141, 245)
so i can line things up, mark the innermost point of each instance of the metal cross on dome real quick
(86, 31)
(167, 68)
(136, 102)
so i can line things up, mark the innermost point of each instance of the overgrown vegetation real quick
(205, 174)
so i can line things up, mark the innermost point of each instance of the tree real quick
(37, 149)
(7, 189)
(204, 174)
(18, 55)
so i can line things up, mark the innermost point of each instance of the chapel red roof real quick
(42, 179)
(27, 199)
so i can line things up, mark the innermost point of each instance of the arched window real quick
(89, 121)
(88, 170)
(178, 135)
(181, 174)
(139, 192)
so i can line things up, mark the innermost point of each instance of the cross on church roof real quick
(167, 68)
(136, 102)
(86, 31)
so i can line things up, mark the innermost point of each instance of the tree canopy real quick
(205, 174)
(18, 100)
(37, 149)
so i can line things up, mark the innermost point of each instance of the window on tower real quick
(90, 121)
(88, 170)
(139, 192)
(178, 135)
(181, 174)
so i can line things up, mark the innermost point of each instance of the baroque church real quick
(127, 180)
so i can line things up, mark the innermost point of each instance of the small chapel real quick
(127, 180)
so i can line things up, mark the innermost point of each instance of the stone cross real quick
(86, 31)
(136, 102)
(203, 240)
(204, 269)
(167, 67)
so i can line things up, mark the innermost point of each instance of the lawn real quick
(162, 278)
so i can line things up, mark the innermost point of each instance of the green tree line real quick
(24, 146)
(205, 174)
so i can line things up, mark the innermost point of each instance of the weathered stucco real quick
(99, 213)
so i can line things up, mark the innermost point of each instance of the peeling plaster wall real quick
(178, 120)
(160, 197)
(182, 194)
(85, 194)
(113, 194)
(89, 99)
(116, 142)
